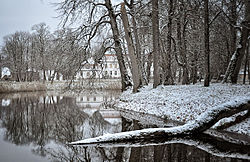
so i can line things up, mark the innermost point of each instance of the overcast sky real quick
(21, 15)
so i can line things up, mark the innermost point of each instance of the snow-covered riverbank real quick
(185, 102)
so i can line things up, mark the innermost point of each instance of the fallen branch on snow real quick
(204, 122)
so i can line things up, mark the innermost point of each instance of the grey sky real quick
(21, 15)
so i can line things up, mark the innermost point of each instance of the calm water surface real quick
(37, 127)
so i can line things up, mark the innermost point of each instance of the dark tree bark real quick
(246, 63)
(194, 67)
(181, 41)
(248, 71)
(156, 42)
(233, 20)
(168, 78)
(149, 64)
(206, 41)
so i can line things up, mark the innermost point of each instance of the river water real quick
(38, 126)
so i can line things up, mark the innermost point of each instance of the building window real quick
(106, 72)
(110, 73)
(115, 72)
(116, 66)
(94, 98)
(87, 98)
(87, 73)
(110, 65)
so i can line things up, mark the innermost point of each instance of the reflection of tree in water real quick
(25, 122)
(50, 124)
(93, 126)
(171, 152)
(30, 120)
(165, 152)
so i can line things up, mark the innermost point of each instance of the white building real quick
(108, 68)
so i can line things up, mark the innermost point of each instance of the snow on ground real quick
(242, 128)
(184, 102)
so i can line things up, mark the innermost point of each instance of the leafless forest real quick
(182, 41)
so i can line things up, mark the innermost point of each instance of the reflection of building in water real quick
(92, 103)
(89, 104)
(112, 116)
(93, 100)
(5, 102)
(50, 99)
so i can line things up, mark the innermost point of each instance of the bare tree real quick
(181, 25)
(167, 72)
(16, 47)
(66, 54)
(206, 41)
(116, 36)
(41, 39)
(136, 71)
(156, 42)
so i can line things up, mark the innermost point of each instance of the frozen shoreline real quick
(185, 102)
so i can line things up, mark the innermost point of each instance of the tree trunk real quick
(138, 46)
(149, 64)
(181, 41)
(156, 42)
(185, 79)
(245, 66)
(194, 67)
(236, 60)
(136, 73)
(206, 40)
(233, 15)
(168, 78)
(248, 71)
(118, 49)
(231, 66)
